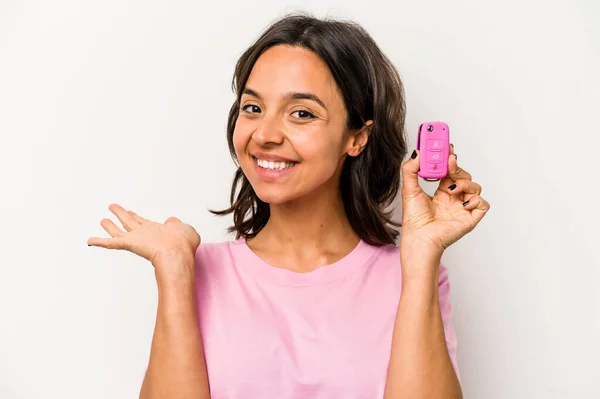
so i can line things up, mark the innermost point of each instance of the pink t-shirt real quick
(271, 333)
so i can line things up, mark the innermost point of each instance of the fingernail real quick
(452, 187)
(414, 154)
(89, 245)
(465, 203)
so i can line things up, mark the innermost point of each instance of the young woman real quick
(313, 299)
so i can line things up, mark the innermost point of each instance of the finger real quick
(111, 228)
(410, 178)
(124, 217)
(464, 186)
(455, 172)
(137, 218)
(447, 180)
(108, 243)
(478, 207)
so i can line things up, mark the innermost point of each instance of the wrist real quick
(420, 261)
(174, 268)
(421, 243)
(416, 249)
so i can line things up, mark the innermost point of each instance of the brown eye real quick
(302, 114)
(254, 109)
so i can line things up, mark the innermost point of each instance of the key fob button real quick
(434, 167)
(435, 145)
(434, 157)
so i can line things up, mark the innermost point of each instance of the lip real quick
(271, 157)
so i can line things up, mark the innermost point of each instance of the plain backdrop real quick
(126, 101)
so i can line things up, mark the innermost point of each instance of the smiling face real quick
(290, 135)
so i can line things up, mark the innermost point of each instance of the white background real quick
(126, 101)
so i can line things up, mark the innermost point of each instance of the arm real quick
(420, 365)
(177, 368)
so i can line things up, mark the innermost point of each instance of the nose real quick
(268, 132)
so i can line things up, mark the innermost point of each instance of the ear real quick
(358, 140)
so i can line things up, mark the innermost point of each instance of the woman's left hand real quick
(439, 221)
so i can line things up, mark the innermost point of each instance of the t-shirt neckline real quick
(251, 263)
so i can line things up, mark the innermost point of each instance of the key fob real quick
(433, 143)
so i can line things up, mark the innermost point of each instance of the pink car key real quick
(433, 143)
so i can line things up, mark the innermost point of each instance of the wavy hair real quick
(371, 89)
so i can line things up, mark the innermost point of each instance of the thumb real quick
(172, 219)
(410, 178)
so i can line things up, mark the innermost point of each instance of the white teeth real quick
(274, 165)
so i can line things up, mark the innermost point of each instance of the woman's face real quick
(290, 137)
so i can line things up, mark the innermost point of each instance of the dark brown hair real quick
(371, 89)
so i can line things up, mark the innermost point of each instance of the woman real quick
(305, 302)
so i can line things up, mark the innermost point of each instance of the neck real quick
(317, 222)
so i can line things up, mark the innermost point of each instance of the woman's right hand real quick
(150, 240)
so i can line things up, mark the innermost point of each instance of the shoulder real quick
(388, 252)
(213, 262)
(213, 256)
(213, 251)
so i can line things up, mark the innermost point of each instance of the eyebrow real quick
(292, 95)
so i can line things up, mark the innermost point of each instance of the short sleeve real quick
(446, 310)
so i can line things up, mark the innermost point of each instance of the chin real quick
(273, 196)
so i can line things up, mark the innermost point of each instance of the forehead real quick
(282, 69)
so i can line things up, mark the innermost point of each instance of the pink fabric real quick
(273, 333)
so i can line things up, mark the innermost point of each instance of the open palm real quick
(147, 238)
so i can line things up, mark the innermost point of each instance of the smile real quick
(270, 165)
(271, 170)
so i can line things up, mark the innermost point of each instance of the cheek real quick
(241, 136)
(320, 150)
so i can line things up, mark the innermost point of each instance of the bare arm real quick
(420, 365)
(177, 368)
